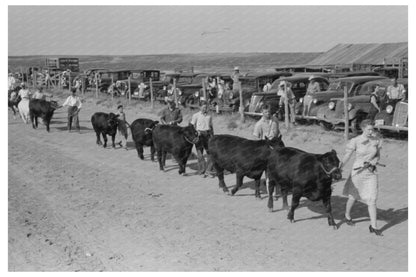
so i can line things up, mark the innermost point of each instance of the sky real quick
(140, 30)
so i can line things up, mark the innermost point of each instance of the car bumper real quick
(254, 114)
(392, 128)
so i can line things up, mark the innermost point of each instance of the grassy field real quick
(171, 62)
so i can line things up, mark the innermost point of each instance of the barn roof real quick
(363, 53)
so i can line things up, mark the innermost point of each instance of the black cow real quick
(307, 175)
(106, 124)
(175, 140)
(241, 156)
(43, 109)
(141, 131)
(14, 102)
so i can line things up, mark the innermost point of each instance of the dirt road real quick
(74, 206)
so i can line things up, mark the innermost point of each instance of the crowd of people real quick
(361, 185)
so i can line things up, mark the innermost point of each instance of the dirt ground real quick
(74, 206)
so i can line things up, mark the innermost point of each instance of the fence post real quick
(204, 90)
(34, 80)
(151, 92)
(96, 85)
(129, 82)
(174, 92)
(346, 117)
(286, 107)
(241, 108)
(83, 82)
(69, 81)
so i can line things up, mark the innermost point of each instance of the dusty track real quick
(74, 206)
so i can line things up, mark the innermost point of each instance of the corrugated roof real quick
(363, 53)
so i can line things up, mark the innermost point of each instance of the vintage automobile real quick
(106, 78)
(393, 115)
(139, 76)
(252, 82)
(299, 83)
(335, 90)
(359, 106)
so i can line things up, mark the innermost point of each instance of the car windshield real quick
(185, 79)
(340, 85)
(248, 84)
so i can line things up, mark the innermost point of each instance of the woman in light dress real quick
(363, 182)
(23, 105)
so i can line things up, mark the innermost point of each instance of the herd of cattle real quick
(290, 169)
(305, 174)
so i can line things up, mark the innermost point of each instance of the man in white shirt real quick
(202, 122)
(11, 81)
(74, 106)
(396, 91)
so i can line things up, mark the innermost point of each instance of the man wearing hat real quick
(313, 87)
(74, 106)
(286, 94)
(202, 122)
(236, 79)
(171, 115)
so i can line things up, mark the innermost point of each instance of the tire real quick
(326, 126)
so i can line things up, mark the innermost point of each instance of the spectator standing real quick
(313, 87)
(396, 91)
(202, 121)
(74, 106)
(289, 96)
(171, 115)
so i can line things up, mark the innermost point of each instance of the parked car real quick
(335, 90)
(299, 83)
(393, 115)
(106, 78)
(252, 82)
(138, 76)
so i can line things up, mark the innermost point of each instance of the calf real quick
(307, 175)
(175, 140)
(43, 109)
(106, 124)
(141, 130)
(241, 156)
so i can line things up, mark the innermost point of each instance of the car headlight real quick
(196, 93)
(389, 109)
(349, 106)
(315, 101)
(301, 100)
(331, 105)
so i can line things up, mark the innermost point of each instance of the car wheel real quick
(326, 126)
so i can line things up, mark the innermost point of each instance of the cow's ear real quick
(280, 137)
(333, 151)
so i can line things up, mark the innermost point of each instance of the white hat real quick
(282, 83)
(236, 68)
(310, 78)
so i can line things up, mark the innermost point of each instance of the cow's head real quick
(275, 142)
(112, 121)
(149, 129)
(190, 134)
(330, 164)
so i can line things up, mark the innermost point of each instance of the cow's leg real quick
(327, 203)
(32, 119)
(295, 203)
(113, 137)
(139, 148)
(105, 139)
(47, 122)
(284, 192)
(239, 182)
(220, 174)
(98, 138)
(270, 188)
(152, 153)
(257, 188)
(36, 122)
(160, 158)
(164, 154)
